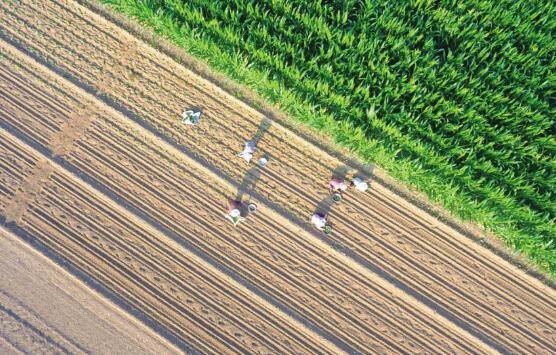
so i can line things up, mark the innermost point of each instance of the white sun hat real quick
(262, 162)
(235, 213)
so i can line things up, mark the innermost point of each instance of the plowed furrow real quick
(14, 169)
(224, 249)
(34, 90)
(136, 189)
(143, 97)
(25, 121)
(408, 271)
(438, 249)
(469, 261)
(425, 264)
(158, 74)
(166, 279)
(60, 240)
(484, 266)
(73, 202)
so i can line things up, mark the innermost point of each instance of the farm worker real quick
(336, 186)
(191, 117)
(359, 184)
(234, 211)
(247, 153)
(319, 220)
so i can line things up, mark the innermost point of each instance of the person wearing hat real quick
(359, 184)
(248, 151)
(336, 187)
(191, 117)
(319, 221)
(233, 211)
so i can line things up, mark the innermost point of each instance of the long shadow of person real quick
(340, 172)
(266, 123)
(248, 183)
(250, 178)
(251, 145)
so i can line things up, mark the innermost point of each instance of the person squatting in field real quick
(191, 117)
(234, 211)
(336, 186)
(320, 222)
(359, 184)
(248, 151)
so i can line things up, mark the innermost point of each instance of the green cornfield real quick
(455, 98)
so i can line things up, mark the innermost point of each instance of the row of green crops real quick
(455, 98)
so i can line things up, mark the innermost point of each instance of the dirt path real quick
(43, 309)
(102, 158)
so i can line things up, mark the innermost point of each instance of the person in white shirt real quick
(319, 221)
(359, 184)
(191, 117)
(248, 151)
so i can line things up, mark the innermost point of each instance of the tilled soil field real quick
(45, 310)
(97, 167)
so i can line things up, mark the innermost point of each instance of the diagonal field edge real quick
(257, 104)
(434, 310)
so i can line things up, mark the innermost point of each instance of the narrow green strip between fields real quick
(456, 100)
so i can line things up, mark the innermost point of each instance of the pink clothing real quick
(337, 185)
(233, 205)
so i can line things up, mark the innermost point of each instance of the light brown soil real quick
(43, 309)
(96, 166)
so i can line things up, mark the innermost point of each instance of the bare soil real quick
(44, 309)
(96, 166)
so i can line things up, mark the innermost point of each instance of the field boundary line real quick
(347, 257)
(241, 284)
(152, 226)
(475, 234)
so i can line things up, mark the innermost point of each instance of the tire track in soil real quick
(55, 197)
(413, 240)
(123, 159)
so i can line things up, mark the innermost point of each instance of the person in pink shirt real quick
(336, 186)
